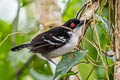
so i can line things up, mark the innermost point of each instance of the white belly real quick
(64, 49)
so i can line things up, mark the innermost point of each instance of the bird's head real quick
(73, 23)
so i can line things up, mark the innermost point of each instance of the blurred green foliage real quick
(5, 68)
(39, 69)
(26, 2)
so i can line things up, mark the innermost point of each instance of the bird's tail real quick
(19, 47)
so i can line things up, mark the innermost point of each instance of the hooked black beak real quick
(83, 22)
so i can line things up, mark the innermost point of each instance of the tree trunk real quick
(117, 41)
(48, 13)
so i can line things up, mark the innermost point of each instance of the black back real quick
(50, 40)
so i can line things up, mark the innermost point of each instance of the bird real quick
(57, 41)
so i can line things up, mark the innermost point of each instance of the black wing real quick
(50, 40)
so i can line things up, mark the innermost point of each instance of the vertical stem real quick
(15, 24)
(117, 41)
(99, 52)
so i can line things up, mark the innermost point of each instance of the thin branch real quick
(99, 52)
(90, 72)
(14, 34)
(92, 68)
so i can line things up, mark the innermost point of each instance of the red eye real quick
(72, 24)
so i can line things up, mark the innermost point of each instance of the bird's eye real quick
(72, 24)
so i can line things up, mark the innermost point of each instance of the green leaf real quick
(67, 62)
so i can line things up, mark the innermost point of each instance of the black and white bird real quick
(56, 41)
